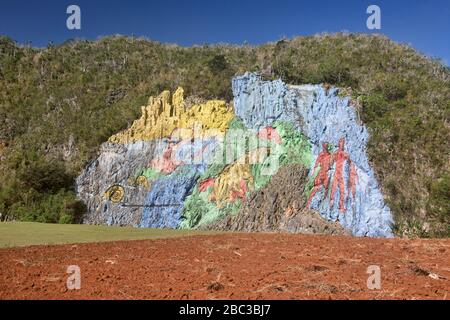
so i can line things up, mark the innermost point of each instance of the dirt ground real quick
(231, 266)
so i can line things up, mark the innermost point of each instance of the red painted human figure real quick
(165, 163)
(239, 194)
(205, 184)
(270, 134)
(324, 161)
(339, 157)
(353, 179)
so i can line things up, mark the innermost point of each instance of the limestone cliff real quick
(135, 179)
(185, 165)
(280, 206)
(160, 118)
(342, 183)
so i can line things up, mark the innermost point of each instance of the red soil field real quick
(231, 266)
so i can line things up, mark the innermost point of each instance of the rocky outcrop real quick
(280, 206)
(110, 180)
(343, 186)
(162, 118)
(143, 174)
(258, 154)
(283, 157)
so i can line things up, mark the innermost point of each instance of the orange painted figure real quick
(270, 134)
(205, 184)
(353, 179)
(165, 163)
(339, 157)
(324, 161)
(239, 194)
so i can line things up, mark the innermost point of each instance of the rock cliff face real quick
(143, 174)
(343, 186)
(109, 180)
(280, 206)
(212, 165)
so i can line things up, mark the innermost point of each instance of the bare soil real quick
(231, 266)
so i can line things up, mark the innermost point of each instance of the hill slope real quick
(57, 105)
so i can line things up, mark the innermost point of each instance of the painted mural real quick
(187, 165)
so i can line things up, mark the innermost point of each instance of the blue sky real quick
(424, 24)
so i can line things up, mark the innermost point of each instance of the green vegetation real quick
(15, 234)
(58, 104)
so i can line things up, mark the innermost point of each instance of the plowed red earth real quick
(231, 266)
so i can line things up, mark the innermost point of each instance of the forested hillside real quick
(58, 104)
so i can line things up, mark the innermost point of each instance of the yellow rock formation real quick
(162, 117)
(230, 181)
